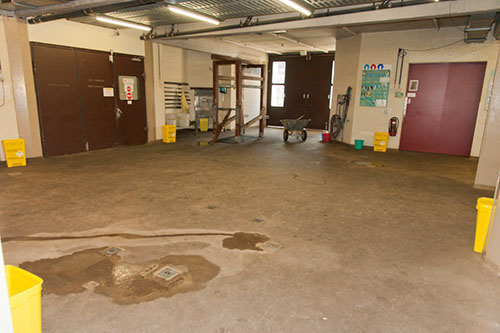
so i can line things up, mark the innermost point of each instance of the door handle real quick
(118, 113)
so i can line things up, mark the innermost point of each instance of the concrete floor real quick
(374, 249)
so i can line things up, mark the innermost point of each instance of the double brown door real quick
(442, 105)
(307, 89)
(78, 99)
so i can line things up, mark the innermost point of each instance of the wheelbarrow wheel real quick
(285, 135)
(304, 135)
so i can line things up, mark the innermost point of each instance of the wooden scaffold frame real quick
(238, 117)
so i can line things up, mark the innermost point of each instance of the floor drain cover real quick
(270, 246)
(111, 251)
(367, 164)
(257, 220)
(90, 285)
(167, 273)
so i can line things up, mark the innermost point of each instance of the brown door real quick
(58, 100)
(132, 128)
(98, 111)
(441, 115)
(307, 87)
(318, 93)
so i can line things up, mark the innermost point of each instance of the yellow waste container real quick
(169, 133)
(14, 152)
(25, 295)
(483, 207)
(381, 140)
(203, 124)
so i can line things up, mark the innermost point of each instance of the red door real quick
(443, 101)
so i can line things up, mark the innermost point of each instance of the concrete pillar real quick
(149, 70)
(489, 158)
(23, 84)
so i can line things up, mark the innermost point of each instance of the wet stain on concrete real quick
(244, 241)
(124, 283)
(257, 220)
(121, 235)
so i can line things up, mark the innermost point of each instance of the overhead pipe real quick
(283, 20)
(89, 11)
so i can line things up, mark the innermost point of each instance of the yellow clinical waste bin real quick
(169, 132)
(203, 124)
(25, 295)
(381, 140)
(483, 207)
(15, 154)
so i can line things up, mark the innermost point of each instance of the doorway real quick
(79, 102)
(441, 109)
(300, 86)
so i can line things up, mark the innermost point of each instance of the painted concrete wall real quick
(8, 119)
(67, 33)
(376, 48)
(489, 161)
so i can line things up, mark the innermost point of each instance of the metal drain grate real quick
(111, 251)
(90, 285)
(167, 273)
(270, 246)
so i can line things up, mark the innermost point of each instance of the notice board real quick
(375, 87)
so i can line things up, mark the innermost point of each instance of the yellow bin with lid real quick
(484, 206)
(15, 153)
(169, 133)
(25, 295)
(380, 143)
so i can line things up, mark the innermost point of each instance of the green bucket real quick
(358, 144)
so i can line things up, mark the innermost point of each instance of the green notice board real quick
(375, 87)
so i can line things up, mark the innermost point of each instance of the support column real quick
(215, 71)
(23, 84)
(149, 72)
(489, 159)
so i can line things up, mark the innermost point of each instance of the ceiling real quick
(156, 13)
(325, 39)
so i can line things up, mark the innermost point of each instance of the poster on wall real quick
(375, 88)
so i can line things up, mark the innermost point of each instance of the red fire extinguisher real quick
(393, 126)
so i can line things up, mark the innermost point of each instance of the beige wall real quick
(8, 119)
(382, 48)
(67, 33)
(489, 161)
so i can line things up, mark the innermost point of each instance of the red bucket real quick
(326, 136)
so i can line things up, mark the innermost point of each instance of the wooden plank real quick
(251, 122)
(239, 99)
(226, 78)
(215, 73)
(219, 128)
(254, 78)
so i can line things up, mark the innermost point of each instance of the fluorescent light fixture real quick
(193, 15)
(298, 7)
(250, 46)
(122, 23)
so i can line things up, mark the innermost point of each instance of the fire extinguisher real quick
(393, 126)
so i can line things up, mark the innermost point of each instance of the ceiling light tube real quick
(123, 23)
(300, 43)
(193, 15)
(297, 7)
(249, 46)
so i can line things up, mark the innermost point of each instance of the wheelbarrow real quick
(295, 125)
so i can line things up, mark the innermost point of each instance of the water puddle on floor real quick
(125, 283)
(244, 241)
